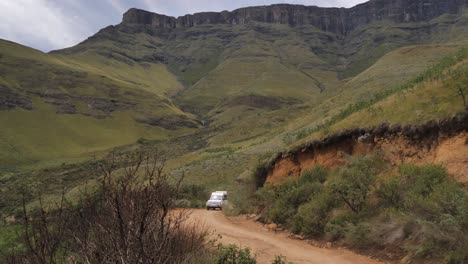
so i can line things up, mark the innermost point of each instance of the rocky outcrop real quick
(442, 142)
(259, 101)
(96, 107)
(335, 20)
(11, 100)
(169, 122)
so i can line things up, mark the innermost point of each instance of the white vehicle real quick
(217, 200)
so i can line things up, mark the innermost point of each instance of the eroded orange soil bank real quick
(444, 142)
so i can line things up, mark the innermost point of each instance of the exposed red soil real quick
(444, 142)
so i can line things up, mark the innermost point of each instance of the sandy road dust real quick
(267, 244)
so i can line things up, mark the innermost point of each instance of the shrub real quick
(390, 192)
(278, 201)
(279, 260)
(281, 202)
(337, 227)
(242, 198)
(355, 182)
(281, 211)
(312, 217)
(422, 180)
(130, 219)
(458, 256)
(193, 196)
(358, 235)
(232, 254)
(316, 174)
(449, 199)
(420, 210)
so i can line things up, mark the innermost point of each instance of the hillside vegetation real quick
(57, 108)
(417, 214)
(216, 98)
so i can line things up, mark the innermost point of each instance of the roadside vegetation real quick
(133, 215)
(417, 213)
(129, 217)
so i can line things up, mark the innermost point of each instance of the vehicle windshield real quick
(216, 197)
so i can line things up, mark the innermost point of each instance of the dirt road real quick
(268, 244)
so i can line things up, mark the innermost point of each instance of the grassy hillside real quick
(216, 99)
(241, 135)
(59, 108)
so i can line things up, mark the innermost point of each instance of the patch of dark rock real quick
(169, 122)
(97, 115)
(259, 101)
(62, 106)
(156, 58)
(117, 57)
(11, 100)
(62, 102)
(106, 105)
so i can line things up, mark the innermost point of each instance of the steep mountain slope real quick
(414, 97)
(55, 107)
(254, 80)
(287, 52)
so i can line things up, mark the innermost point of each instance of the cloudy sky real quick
(56, 24)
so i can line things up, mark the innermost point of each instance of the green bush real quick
(419, 210)
(358, 235)
(279, 201)
(279, 260)
(316, 174)
(422, 180)
(232, 254)
(312, 217)
(193, 196)
(241, 200)
(337, 227)
(437, 205)
(355, 181)
(390, 192)
(458, 256)
(449, 199)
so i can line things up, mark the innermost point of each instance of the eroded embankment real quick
(439, 142)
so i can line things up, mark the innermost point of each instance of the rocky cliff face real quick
(335, 20)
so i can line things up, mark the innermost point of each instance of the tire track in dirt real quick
(267, 244)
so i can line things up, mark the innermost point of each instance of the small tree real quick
(130, 218)
(459, 81)
(134, 218)
(232, 254)
(44, 233)
(355, 182)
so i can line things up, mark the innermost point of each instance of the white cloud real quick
(117, 5)
(40, 24)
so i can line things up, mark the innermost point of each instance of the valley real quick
(244, 100)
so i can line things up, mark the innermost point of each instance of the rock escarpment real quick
(335, 20)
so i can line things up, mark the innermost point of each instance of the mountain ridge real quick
(161, 82)
(335, 20)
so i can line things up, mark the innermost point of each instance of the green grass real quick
(199, 72)
(420, 93)
(8, 236)
(41, 136)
